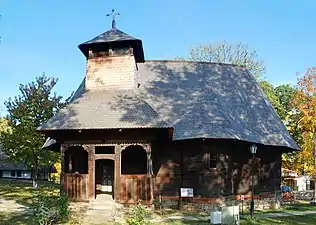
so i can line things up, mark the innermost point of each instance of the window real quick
(12, 173)
(213, 157)
(19, 173)
(104, 149)
(76, 160)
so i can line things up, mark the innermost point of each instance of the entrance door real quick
(104, 176)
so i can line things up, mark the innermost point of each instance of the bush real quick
(138, 217)
(47, 212)
(44, 214)
(63, 207)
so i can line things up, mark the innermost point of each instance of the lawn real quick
(22, 193)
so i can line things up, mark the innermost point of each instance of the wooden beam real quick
(91, 171)
(104, 156)
(63, 148)
(117, 173)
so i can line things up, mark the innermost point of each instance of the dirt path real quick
(11, 206)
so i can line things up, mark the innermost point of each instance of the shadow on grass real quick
(24, 194)
(299, 207)
(291, 220)
(16, 219)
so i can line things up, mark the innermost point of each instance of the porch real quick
(122, 172)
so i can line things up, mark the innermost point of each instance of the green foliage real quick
(46, 211)
(273, 98)
(280, 98)
(63, 206)
(224, 52)
(4, 126)
(43, 213)
(138, 217)
(35, 104)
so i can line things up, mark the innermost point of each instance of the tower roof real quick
(114, 38)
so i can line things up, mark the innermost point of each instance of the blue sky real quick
(42, 36)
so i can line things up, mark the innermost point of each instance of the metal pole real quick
(252, 203)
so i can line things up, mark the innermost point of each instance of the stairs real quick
(103, 209)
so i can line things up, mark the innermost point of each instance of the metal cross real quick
(113, 14)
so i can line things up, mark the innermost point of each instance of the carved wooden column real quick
(149, 160)
(150, 171)
(117, 173)
(63, 148)
(91, 171)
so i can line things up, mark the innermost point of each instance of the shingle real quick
(105, 109)
(199, 100)
(205, 100)
(114, 37)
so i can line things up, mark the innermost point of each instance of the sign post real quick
(242, 198)
(186, 193)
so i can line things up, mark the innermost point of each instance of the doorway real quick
(104, 177)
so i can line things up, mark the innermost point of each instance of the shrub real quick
(63, 207)
(47, 212)
(138, 217)
(44, 214)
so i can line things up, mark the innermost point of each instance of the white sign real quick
(186, 192)
(242, 197)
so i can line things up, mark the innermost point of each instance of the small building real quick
(304, 183)
(19, 171)
(141, 129)
(9, 170)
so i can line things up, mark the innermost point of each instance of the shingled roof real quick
(114, 38)
(207, 100)
(199, 100)
(107, 109)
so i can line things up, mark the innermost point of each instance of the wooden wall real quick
(77, 186)
(191, 164)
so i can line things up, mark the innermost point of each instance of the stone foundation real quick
(202, 205)
(304, 195)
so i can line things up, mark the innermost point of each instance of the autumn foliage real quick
(304, 103)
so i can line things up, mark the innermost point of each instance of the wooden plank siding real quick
(76, 186)
(135, 188)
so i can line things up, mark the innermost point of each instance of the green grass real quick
(15, 219)
(23, 192)
(291, 220)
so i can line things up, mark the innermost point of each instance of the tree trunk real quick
(34, 181)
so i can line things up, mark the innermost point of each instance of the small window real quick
(104, 149)
(213, 160)
(19, 173)
(12, 173)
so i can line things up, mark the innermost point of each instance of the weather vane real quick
(113, 14)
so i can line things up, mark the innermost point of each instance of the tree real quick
(304, 102)
(280, 98)
(34, 105)
(238, 54)
(4, 126)
(273, 98)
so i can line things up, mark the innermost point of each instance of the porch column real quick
(150, 171)
(91, 170)
(149, 160)
(117, 173)
(63, 148)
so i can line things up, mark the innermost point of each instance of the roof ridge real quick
(194, 62)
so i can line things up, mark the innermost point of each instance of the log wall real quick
(77, 186)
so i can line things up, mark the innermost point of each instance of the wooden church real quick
(137, 129)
